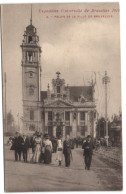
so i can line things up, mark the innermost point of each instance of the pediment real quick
(58, 103)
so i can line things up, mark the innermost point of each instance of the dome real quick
(30, 27)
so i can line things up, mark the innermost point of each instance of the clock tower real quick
(31, 78)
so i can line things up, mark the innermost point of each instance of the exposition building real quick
(62, 110)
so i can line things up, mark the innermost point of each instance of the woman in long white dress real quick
(38, 148)
(59, 150)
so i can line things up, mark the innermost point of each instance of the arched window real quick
(58, 89)
(67, 116)
(50, 131)
(82, 130)
(50, 116)
(67, 128)
(82, 116)
(29, 39)
(30, 56)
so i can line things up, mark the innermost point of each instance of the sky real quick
(76, 47)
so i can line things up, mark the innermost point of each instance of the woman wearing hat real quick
(37, 152)
(48, 149)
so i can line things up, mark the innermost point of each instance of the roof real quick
(76, 91)
(30, 27)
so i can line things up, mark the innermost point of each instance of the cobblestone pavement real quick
(20, 176)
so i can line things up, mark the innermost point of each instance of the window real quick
(31, 90)
(67, 130)
(82, 130)
(82, 116)
(58, 89)
(29, 39)
(50, 116)
(57, 116)
(50, 131)
(30, 56)
(67, 116)
(31, 115)
(42, 115)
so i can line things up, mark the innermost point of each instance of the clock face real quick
(31, 74)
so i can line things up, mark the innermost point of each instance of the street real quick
(103, 175)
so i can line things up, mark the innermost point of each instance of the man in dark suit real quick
(67, 150)
(88, 151)
(26, 145)
(17, 146)
(54, 144)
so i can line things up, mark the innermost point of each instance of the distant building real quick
(65, 109)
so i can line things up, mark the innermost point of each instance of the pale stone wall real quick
(28, 81)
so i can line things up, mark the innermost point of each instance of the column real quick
(71, 118)
(78, 123)
(38, 119)
(54, 116)
(74, 128)
(43, 124)
(63, 132)
(27, 57)
(46, 118)
(95, 125)
(86, 118)
(54, 131)
(92, 123)
(88, 123)
(78, 116)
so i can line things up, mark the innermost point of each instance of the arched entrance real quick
(59, 131)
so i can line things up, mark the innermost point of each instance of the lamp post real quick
(5, 118)
(106, 80)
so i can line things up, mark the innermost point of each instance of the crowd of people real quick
(42, 148)
(39, 148)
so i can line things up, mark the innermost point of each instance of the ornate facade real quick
(62, 110)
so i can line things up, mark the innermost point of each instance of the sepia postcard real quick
(61, 79)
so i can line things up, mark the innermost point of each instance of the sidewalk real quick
(113, 153)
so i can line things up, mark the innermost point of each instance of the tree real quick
(100, 128)
(10, 118)
(10, 122)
